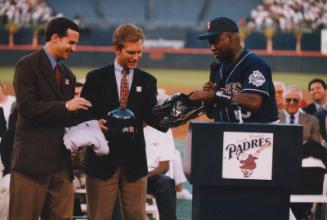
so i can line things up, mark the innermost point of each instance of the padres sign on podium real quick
(247, 155)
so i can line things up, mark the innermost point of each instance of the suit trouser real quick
(101, 197)
(49, 196)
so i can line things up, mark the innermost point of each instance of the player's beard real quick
(226, 56)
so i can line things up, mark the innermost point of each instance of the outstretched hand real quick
(102, 124)
(207, 93)
(202, 95)
(209, 86)
(78, 103)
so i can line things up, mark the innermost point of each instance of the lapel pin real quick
(67, 82)
(138, 88)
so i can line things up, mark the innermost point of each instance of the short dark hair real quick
(322, 82)
(59, 26)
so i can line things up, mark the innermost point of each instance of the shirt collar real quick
(119, 68)
(318, 106)
(296, 117)
(51, 59)
(118, 75)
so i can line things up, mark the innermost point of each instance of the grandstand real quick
(170, 18)
(72, 9)
(234, 9)
(174, 22)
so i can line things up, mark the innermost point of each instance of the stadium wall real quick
(281, 61)
(188, 37)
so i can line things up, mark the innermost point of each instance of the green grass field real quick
(191, 79)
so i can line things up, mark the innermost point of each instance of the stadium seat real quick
(176, 12)
(84, 9)
(117, 11)
(80, 195)
(151, 208)
(312, 178)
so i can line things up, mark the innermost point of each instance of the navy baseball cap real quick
(217, 26)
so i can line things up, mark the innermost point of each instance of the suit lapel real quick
(47, 72)
(66, 82)
(136, 87)
(302, 118)
(282, 117)
(112, 84)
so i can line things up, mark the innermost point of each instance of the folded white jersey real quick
(84, 134)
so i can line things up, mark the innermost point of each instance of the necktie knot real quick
(124, 72)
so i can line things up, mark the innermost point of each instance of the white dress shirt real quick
(160, 146)
(296, 117)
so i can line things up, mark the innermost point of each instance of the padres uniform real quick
(249, 74)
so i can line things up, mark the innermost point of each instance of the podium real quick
(243, 171)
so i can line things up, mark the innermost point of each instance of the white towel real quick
(86, 134)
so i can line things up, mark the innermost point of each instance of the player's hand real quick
(77, 160)
(209, 86)
(202, 95)
(102, 124)
(223, 97)
(77, 103)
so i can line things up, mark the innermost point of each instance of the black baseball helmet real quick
(121, 122)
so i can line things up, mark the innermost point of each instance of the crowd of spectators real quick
(25, 12)
(281, 15)
(289, 15)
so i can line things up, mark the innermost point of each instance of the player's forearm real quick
(161, 169)
(249, 101)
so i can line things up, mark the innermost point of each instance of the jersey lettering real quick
(233, 88)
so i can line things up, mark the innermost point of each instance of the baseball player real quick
(240, 77)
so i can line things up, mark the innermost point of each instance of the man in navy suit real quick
(318, 92)
(124, 170)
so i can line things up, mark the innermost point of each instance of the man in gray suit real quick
(41, 179)
(292, 114)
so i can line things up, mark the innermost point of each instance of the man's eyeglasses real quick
(295, 101)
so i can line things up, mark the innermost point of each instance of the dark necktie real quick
(124, 90)
(57, 71)
(292, 119)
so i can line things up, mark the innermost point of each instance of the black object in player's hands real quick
(177, 110)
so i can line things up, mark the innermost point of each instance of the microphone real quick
(209, 105)
(213, 69)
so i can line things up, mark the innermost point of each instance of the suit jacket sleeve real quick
(33, 101)
(151, 101)
(92, 92)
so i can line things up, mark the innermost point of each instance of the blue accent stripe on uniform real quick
(256, 90)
